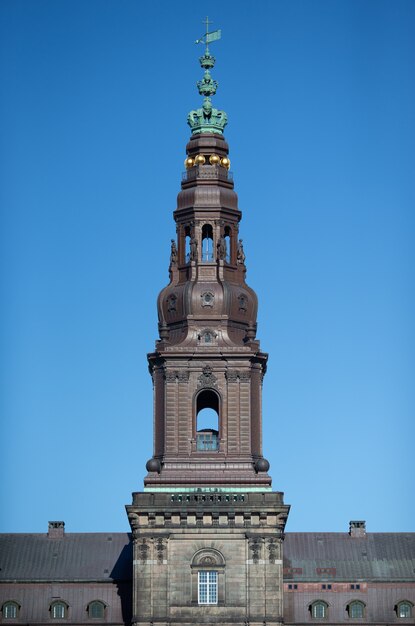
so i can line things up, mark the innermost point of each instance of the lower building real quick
(87, 578)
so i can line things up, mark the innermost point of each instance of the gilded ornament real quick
(225, 162)
(214, 159)
(189, 162)
(200, 159)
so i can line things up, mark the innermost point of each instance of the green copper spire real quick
(207, 119)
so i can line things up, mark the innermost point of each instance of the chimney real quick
(56, 530)
(357, 528)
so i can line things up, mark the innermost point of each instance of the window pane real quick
(356, 610)
(207, 441)
(212, 598)
(10, 611)
(208, 587)
(404, 610)
(58, 611)
(96, 609)
(319, 610)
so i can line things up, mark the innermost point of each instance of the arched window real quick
(187, 244)
(356, 609)
(10, 610)
(228, 244)
(208, 577)
(207, 420)
(207, 243)
(404, 609)
(59, 610)
(318, 609)
(96, 609)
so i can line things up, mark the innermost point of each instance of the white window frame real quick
(207, 587)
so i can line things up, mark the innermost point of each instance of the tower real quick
(207, 529)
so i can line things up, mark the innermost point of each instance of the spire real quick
(207, 119)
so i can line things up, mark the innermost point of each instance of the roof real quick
(108, 556)
(74, 556)
(340, 556)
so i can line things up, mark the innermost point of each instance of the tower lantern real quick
(207, 527)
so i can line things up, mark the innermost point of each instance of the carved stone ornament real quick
(182, 376)
(207, 336)
(255, 546)
(207, 560)
(143, 550)
(171, 303)
(208, 299)
(221, 249)
(207, 379)
(243, 303)
(240, 254)
(273, 549)
(133, 519)
(160, 549)
(244, 377)
(193, 249)
(233, 376)
(173, 253)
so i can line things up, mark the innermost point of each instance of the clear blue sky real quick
(321, 98)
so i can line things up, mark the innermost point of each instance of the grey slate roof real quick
(307, 557)
(339, 556)
(75, 556)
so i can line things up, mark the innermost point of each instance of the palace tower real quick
(207, 529)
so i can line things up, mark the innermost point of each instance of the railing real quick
(207, 257)
(208, 172)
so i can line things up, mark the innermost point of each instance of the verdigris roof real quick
(74, 556)
(373, 557)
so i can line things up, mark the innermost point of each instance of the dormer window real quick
(356, 609)
(96, 609)
(58, 610)
(318, 609)
(10, 610)
(404, 609)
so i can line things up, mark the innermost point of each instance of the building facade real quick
(207, 542)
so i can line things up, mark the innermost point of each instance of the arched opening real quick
(207, 420)
(207, 243)
(228, 244)
(187, 244)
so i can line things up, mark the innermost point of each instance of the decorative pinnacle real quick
(207, 119)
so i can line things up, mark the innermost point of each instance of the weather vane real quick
(208, 37)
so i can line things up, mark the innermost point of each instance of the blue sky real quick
(320, 98)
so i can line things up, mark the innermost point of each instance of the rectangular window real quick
(207, 441)
(207, 587)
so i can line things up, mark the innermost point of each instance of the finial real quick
(207, 119)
